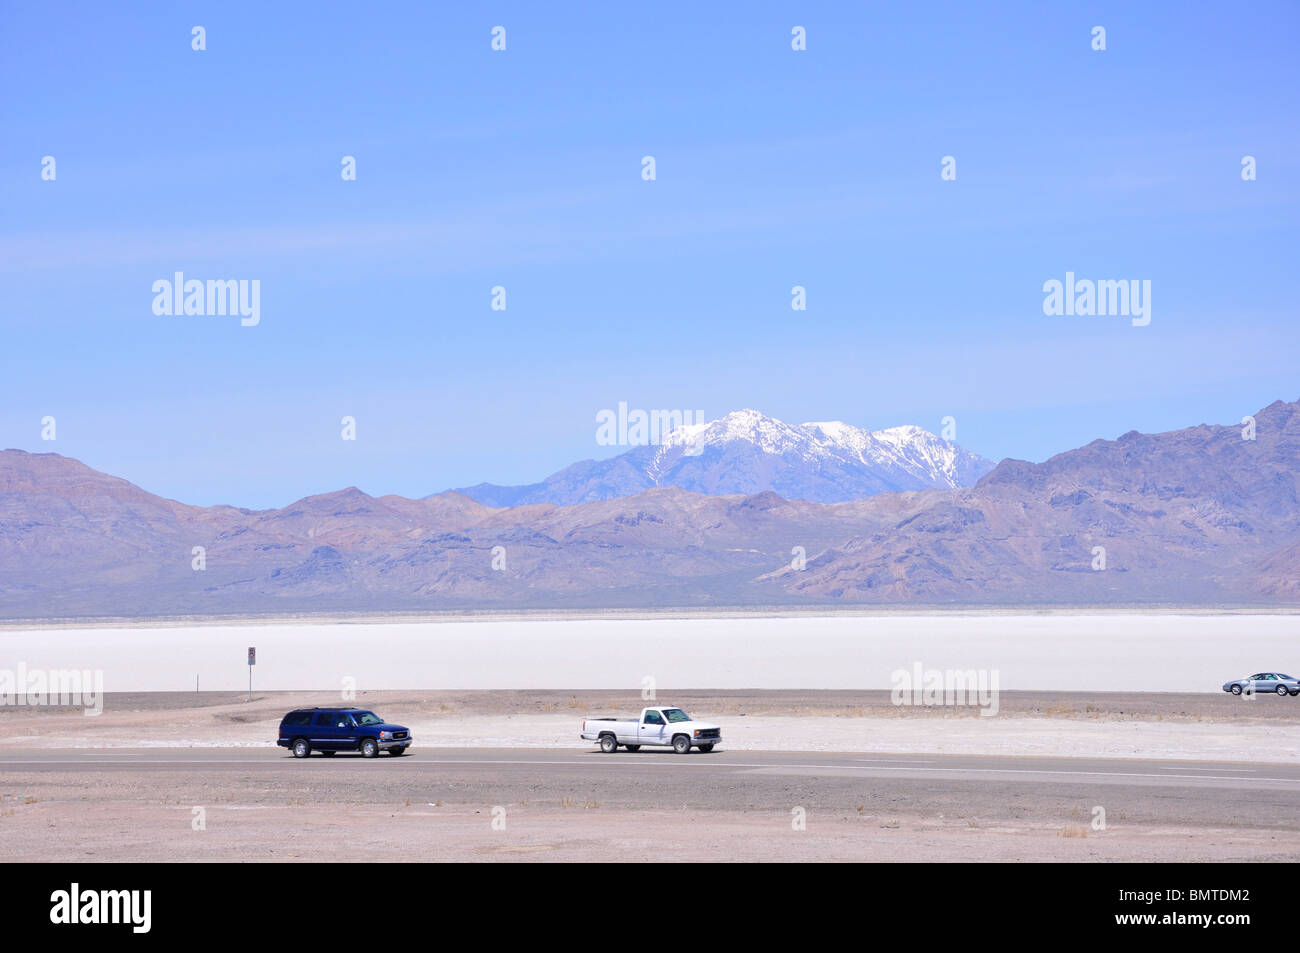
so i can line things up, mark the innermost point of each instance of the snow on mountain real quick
(749, 452)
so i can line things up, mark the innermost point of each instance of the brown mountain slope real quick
(1195, 516)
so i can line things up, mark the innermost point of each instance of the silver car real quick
(1268, 683)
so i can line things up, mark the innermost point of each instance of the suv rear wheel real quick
(369, 747)
(301, 748)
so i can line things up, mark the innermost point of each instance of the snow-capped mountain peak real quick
(766, 433)
(749, 452)
(908, 447)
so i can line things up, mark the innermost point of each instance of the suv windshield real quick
(367, 718)
(675, 715)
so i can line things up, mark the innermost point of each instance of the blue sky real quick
(522, 168)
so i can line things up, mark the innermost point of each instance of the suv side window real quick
(324, 719)
(342, 720)
(653, 718)
(297, 718)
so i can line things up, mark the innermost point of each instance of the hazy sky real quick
(522, 169)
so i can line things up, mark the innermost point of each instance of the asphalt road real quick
(556, 761)
(1013, 788)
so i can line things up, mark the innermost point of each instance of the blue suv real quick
(329, 730)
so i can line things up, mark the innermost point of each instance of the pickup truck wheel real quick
(632, 747)
(300, 748)
(706, 748)
(369, 748)
(681, 744)
(608, 744)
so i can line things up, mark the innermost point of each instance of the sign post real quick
(252, 660)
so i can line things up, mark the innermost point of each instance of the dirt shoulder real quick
(1182, 726)
(583, 831)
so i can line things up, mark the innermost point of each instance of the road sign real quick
(252, 655)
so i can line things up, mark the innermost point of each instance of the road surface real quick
(580, 804)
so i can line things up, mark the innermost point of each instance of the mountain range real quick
(748, 452)
(1200, 516)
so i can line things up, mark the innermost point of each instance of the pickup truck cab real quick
(659, 726)
(330, 730)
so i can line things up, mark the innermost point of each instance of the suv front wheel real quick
(369, 748)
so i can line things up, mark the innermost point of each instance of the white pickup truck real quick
(656, 726)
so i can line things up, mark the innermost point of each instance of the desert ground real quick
(801, 775)
(1095, 724)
